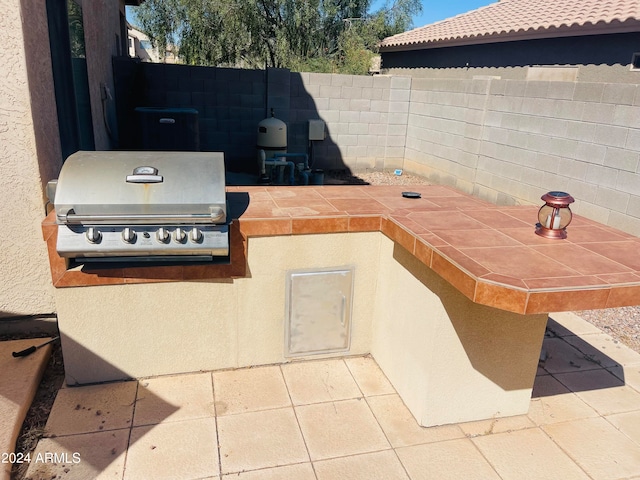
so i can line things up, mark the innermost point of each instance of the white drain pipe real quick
(276, 163)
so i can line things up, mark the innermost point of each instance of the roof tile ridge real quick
(449, 19)
(504, 17)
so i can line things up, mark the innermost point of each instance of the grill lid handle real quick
(71, 217)
(145, 174)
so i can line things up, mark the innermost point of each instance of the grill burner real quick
(142, 206)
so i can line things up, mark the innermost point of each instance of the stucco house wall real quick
(30, 152)
(25, 279)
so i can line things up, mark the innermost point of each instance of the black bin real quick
(169, 129)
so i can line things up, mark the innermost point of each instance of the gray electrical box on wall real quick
(318, 311)
(316, 130)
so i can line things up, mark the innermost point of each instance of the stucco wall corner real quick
(25, 285)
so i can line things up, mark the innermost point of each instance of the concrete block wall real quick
(230, 103)
(444, 130)
(365, 117)
(510, 141)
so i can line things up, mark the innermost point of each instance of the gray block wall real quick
(365, 117)
(230, 104)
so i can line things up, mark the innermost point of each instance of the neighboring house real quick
(562, 40)
(141, 47)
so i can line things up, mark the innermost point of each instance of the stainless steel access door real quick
(318, 311)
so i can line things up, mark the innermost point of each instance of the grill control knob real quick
(128, 235)
(196, 235)
(162, 235)
(180, 235)
(94, 235)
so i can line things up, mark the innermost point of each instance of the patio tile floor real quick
(341, 419)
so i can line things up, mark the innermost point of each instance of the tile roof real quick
(509, 20)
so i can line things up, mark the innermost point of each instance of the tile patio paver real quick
(174, 398)
(267, 438)
(337, 429)
(250, 389)
(606, 349)
(450, 460)
(186, 449)
(342, 419)
(598, 447)
(559, 408)
(299, 471)
(98, 455)
(319, 381)
(547, 386)
(384, 465)
(496, 425)
(368, 376)
(401, 428)
(629, 375)
(92, 408)
(564, 358)
(602, 391)
(627, 423)
(527, 454)
(568, 323)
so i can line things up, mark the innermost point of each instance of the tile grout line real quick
(598, 414)
(295, 414)
(215, 416)
(133, 412)
(604, 417)
(483, 455)
(573, 460)
(573, 393)
(393, 448)
(574, 397)
(364, 397)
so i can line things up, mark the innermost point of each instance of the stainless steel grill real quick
(142, 206)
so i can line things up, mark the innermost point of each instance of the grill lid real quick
(141, 187)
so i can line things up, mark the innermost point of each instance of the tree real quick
(316, 35)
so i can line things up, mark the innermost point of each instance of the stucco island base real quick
(451, 360)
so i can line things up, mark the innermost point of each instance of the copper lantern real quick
(554, 215)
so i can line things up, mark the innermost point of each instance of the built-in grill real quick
(142, 206)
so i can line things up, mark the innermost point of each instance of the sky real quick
(436, 10)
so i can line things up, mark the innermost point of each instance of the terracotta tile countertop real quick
(490, 253)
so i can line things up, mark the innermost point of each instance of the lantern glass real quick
(554, 215)
(554, 218)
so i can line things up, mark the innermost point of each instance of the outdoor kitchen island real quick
(450, 293)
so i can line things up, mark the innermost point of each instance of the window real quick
(635, 62)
